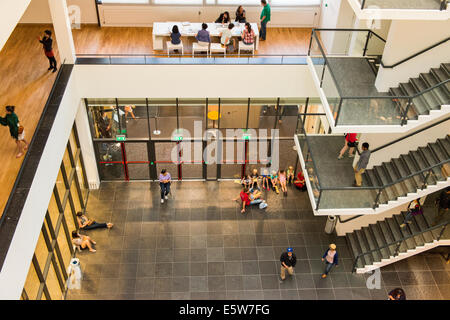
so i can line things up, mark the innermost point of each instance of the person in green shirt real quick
(265, 17)
(12, 121)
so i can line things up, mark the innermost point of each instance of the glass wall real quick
(135, 139)
(47, 275)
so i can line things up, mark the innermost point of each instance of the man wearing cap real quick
(288, 261)
(331, 258)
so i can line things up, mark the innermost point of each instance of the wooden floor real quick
(26, 83)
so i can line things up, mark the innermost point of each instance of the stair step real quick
(421, 163)
(395, 228)
(431, 160)
(356, 249)
(412, 228)
(380, 240)
(420, 103)
(388, 235)
(412, 112)
(395, 175)
(429, 218)
(405, 232)
(430, 98)
(422, 225)
(364, 247)
(410, 183)
(438, 151)
(390, 192)
(441, 92)
(411, 167)
(446, 67)
(445, 146)
(441, 76)
(376, 255)
(376, 183)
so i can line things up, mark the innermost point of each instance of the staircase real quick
(386, 242)
(411, 164)
(425, 103)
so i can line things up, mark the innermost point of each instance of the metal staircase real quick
(385, 242)
(410, 172)
(427, 94)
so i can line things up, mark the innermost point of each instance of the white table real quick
(161, 30)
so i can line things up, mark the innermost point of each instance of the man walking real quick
(265, 18)
(47, 43)
(288, 262)
(362, 164)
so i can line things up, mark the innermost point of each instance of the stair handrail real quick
(442, 224)
(414, 55)
(409, 135)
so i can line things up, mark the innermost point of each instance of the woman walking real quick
(12, 121)
(164, 183)
(331, 259)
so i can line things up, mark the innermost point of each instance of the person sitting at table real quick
(240, 15)
(175, 35)
(202, 36)
(248, 35)
(226, 38)
(224, 18)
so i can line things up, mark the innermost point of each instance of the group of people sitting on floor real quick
(253, 184)
(84, 223)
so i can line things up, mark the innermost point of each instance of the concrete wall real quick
(406, 38)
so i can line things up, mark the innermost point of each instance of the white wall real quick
(403, 147)
(15, 268)
(406, 38)
(194, 81)
(145, 15)
(10, 13)
(129, 15)
(39, 11)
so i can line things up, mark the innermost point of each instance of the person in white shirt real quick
(226, 38)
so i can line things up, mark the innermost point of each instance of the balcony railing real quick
(329, 196)
(341, 60)
(187, 59)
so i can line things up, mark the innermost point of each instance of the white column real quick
(63, 30)
(87, 147)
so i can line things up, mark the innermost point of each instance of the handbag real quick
(20, 130)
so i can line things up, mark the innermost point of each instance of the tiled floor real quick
(199, 246)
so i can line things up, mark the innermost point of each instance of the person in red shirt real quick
(246, 199)
(300, 182)
(350, 142)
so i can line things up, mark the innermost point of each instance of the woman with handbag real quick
(350, 142)
(15, 129)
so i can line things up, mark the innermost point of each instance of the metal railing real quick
(398, 105)
(399, 242)
(185, 59)
(414, 55)
(423, 175)
(442, 6)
